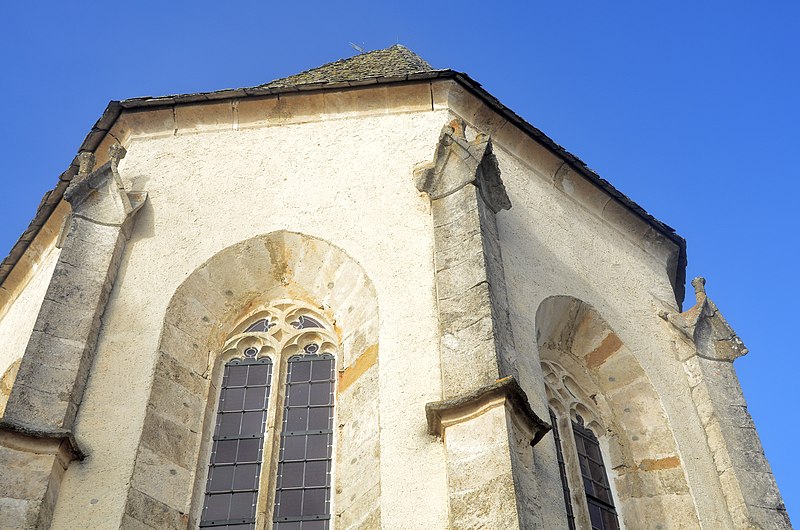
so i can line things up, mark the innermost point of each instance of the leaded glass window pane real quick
(304, 322)
(235, 467)
(260, 326)
(602, 513)
(303, 494)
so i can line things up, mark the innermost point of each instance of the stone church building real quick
(365, 296)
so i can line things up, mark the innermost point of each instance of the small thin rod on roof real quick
(357, 48)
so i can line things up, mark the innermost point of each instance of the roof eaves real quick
(115, 108)
(579, 166)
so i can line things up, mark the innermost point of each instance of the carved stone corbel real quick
(706, 328)
(458, 162)
(99, 195)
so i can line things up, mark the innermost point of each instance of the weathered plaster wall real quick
(553, 246)
(18, 316)
(563, 236)
(226, 173)
(337, 166)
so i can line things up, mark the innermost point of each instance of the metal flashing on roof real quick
(391, 65)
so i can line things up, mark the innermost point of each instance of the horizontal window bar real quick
(228, 492)
(223, 522)
(237, 463)
(601, 503)
(238, 437)
(305, 433)
(301, 518)
(307, 488)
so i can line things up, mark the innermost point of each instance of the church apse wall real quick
(208, 189)
(564, 236)
(383, 301)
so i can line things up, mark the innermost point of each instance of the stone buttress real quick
(484, 419)
(36, 440)
(707, 347)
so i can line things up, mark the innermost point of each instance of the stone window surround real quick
(566, 407)
(244, 276)
(279, 350)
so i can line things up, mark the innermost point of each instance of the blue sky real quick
(690, 108)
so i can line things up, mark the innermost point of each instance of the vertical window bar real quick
(303, 491)
(236, 453)
(562, 470)
(602, 513)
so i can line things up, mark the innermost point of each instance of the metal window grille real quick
(236, 453)
(562, 470)
(303, 493)
(602, 513)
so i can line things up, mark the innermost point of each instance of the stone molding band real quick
(442, 414)
(31, 439)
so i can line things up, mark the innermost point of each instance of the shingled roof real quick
(391, 62)
(396, 64)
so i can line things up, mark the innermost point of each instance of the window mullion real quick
(562, 470)
(580, 505)
(266, 497)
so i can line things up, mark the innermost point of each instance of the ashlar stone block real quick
(156, 514)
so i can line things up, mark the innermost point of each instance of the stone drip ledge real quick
(31, 439)
(505, 391)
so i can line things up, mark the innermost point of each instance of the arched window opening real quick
(287, 346)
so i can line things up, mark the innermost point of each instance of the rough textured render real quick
(477, 281)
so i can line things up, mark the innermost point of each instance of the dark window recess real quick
(562, 470)
(602, 513)
(233, 474)
(303, 493)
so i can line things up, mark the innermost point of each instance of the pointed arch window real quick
(291, 348)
